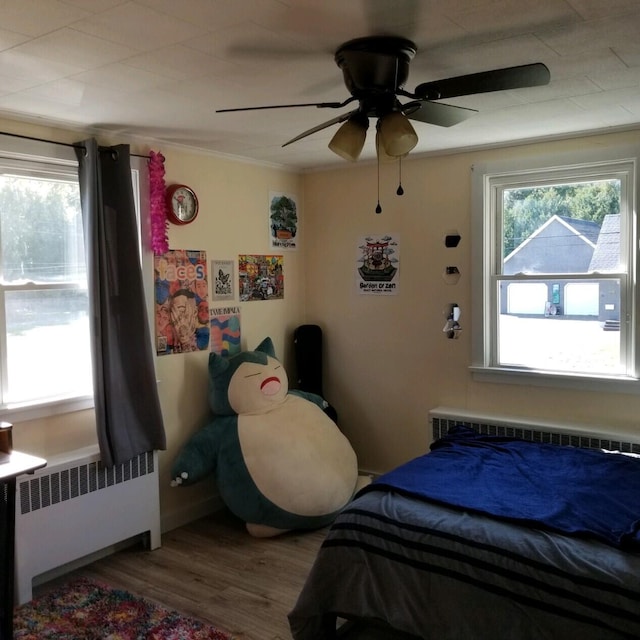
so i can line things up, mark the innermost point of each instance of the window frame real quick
(589, 164)
(31, 150)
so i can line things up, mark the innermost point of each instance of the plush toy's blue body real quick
(279, 461)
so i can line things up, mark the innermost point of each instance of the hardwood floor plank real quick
(212, 569)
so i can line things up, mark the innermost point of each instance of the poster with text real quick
(260, 277)
(225, 330)
(181, 301)
(378, 265)
(223, 280)
(283, 221)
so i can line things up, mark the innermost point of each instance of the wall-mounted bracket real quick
(452, 326)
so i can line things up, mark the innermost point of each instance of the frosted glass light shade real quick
(349, 139)
(397, 135)
(383, 156)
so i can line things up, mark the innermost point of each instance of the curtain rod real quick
(63, 144)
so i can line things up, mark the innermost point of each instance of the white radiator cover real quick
(74, 507)
(442, 419)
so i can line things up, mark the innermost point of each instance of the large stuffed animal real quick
(279, 461)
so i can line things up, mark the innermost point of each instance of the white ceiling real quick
(160, 68)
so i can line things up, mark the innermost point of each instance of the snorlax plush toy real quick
(279, 461)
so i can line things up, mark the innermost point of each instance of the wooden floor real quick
(214, 570)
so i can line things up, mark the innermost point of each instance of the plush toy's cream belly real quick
(298, 458)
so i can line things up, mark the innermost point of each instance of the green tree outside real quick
(525, 210)
(40, 230)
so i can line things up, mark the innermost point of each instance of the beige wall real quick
(387, 361)
(233, 219)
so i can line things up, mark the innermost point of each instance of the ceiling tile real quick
(66, 44)
(16, 64)
(179, 61)
(37, 17)
(94, 6)
(590, 9)
(512, 16)
(9, 39)
(594, 34)
(121, 78)
(138, 27)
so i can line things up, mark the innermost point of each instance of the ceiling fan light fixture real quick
(397, 135)
(383, 156)
(349, 139)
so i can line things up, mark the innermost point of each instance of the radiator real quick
(74, 507)
(577, 435)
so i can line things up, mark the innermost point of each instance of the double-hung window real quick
(45, 351)
(555, 271)
(44, 327)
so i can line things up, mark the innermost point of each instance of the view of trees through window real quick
(43, 287)
(525, 210)
(41, 230)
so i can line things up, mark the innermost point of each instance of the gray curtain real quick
(128, 416)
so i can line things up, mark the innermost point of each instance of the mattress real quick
(446, 573)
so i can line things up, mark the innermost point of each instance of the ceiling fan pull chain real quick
(400, 191)
(378, 208)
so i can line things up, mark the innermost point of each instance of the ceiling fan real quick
(375, 70)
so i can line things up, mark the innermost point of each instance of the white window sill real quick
(610, 384)
(30, 411)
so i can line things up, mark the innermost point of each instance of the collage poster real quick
(223, 280)
(260, 277)
(181, 301)
(225, 330)
(378, 265)
(283, 221)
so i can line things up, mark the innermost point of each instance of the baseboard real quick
(189, 513)
(372, 474)
(62, 570)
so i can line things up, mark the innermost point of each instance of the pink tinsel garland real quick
(159, 223)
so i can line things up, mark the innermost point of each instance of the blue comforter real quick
(582, 492)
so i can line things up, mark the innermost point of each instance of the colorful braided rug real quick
(87, 610)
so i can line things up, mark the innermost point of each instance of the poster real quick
(260, 277)
(223, 280)
(283, 221)
(378, 265)
(181, 301)
(225, 330)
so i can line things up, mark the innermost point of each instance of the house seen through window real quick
(558, 262)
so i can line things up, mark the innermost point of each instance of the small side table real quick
(13, 465)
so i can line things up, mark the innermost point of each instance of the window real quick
(44, 335)
(555, 271)
(45, 355)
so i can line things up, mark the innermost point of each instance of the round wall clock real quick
(182, 204)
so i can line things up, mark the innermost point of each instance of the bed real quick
(485, 537)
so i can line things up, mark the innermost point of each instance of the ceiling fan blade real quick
(527, 75)
(320, 127)
(443, 115)
(320, 105)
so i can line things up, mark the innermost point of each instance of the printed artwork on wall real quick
(223, 280)
(260, 277)
(378, 265)
(283, 221)
(181, 301)
(225, 330)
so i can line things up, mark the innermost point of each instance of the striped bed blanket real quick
(443, 572)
